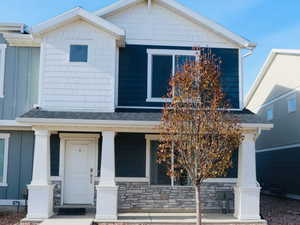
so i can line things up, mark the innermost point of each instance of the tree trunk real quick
(198, 204)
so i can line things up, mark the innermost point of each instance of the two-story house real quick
(81, 98)
(275, 97)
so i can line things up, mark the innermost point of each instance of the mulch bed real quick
(280, 211)
(10, 218)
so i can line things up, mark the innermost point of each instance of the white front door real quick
(79, 167)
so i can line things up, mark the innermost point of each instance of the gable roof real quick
(265, 68)
(74, 14)
(185, 12)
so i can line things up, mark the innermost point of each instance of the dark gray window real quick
(161, 74)
(78, 53)
(158, 172)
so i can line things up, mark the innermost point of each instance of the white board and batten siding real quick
(158, 25)
(78, 86)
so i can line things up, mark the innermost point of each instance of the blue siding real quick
(279, 169)
(20, 81)
(20, 159)
(133, 74)
(130, 155)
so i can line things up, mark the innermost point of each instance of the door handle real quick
(91, 175)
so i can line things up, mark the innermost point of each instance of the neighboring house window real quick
(270, 114)
(2, 68)
(292, 104)
(3, 158)
(78, 53)
(162, 64)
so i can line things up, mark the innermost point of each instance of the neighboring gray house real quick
(275, 96)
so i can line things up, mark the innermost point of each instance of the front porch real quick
(122, 177)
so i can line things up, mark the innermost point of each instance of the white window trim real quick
(166, 52)
(79, 42)
(293, 96)
(2, 68)
(5, 166)
(272, 109)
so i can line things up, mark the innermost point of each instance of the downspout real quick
(243, 57)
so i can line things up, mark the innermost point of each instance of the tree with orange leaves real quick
(198, 133)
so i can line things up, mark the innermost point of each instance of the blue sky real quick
(269, 23)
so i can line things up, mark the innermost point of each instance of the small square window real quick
(78, 53)
(270, 114)
(292, 104)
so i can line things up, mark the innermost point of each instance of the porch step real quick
(74, 210)
(177, 219)
(68, 221)
(71, 211)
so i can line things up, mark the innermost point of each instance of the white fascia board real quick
(118, 123)
(115, 6)
(265, 68)
(11, 123)
(186, 12)
(92, 123)
(74, 14)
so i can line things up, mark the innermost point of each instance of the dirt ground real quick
(10, 218)
(280, 211)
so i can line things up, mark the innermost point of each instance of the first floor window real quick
(270, 114)
(3, 158)
(292, 104)
(158, 172)
(162, 64)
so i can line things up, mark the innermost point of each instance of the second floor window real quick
(292, 104)
(162, 64)
(78, 53)
(269, 113)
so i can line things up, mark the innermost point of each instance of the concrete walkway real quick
(68, 221)
(178, 218)
(151, 218)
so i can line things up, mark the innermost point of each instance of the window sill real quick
(158, 100)
(3, 185)
(128, 179)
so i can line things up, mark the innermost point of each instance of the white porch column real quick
(40, 192)
(107, 191)
(247, 190)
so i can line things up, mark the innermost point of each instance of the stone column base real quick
(246, 203)
(107, 203)
(40, 201)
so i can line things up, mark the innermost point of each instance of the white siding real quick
(78, 86)
(160, 25)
